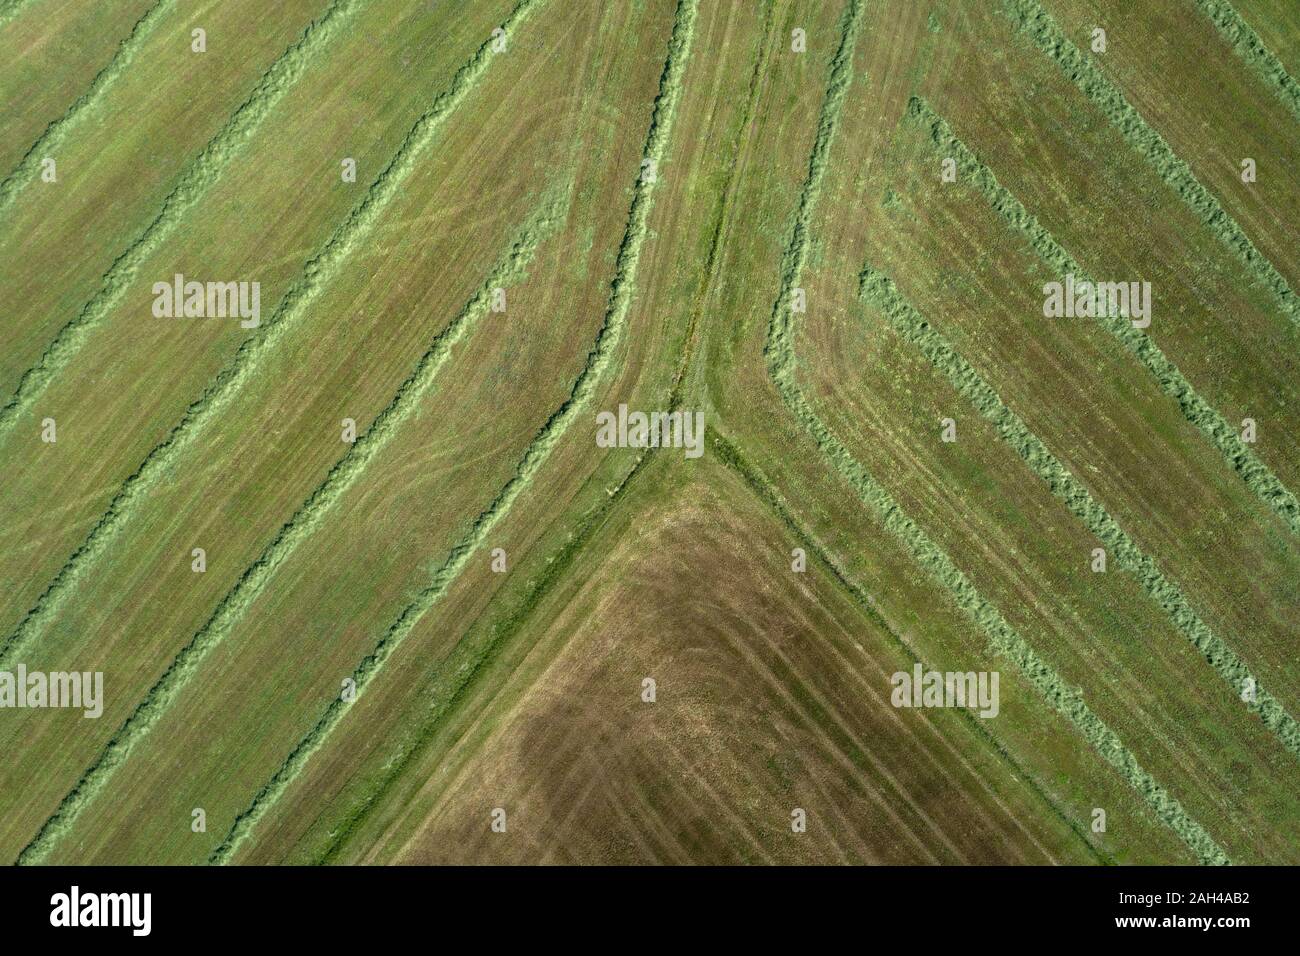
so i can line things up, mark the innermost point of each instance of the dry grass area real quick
(436, 619)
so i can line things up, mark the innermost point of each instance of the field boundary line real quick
(766, 492)
(463, 664)
(622, 289)
(316, 274)
(879, 290)
(782, 366)
(191, 185)
(404, 752)
(725, 207)
(1043, 31)
(54, 132)
(1247, 44)
(1258, 477)
(303, 523)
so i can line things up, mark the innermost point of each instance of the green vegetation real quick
(58, 129)
(198, 177)
(881, 291)
(1251, 49)
(1034, 21)
(537, 452)
(1173, 383)
(304, 521)
(476, 227)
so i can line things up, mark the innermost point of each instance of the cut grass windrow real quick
(1259, 478)
(879, 290)
(759, 484)
(795, 255)
(1046, 34)
(1246, 44)
(622, 289)
(10, 9)
(193, 183)
(469, 660)
(1004, 639)
(57, 129)
(299, 527)
(782, 366)
(457, 673)
(317, 273)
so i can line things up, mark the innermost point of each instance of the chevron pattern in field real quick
(365, 586)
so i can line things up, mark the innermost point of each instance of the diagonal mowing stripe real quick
(194, 182)
(317, 273)
(782, 364)
(762, 488)
(298, 528)
(1258, 477)
(1247, 45)
(1032, 20)
(879, 290)
(622, 290)
(57, 129)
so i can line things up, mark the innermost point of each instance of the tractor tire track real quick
(782, 364)
(304, 522)
(58, 128)
(317, 273)
(622, 290)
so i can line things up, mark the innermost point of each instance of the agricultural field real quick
(650, 431)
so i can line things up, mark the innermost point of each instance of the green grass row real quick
(470, 659)
(782, 365)
(598, 359)
(197, 178)
(54, 133)
(1043, 31)
(229, 382)
(731, 457)
(1251, 49)
(300, 526)
(468, 662)
(795, 256)
(879, 290)
(1259, 478)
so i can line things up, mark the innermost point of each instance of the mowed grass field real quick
(433, 620)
